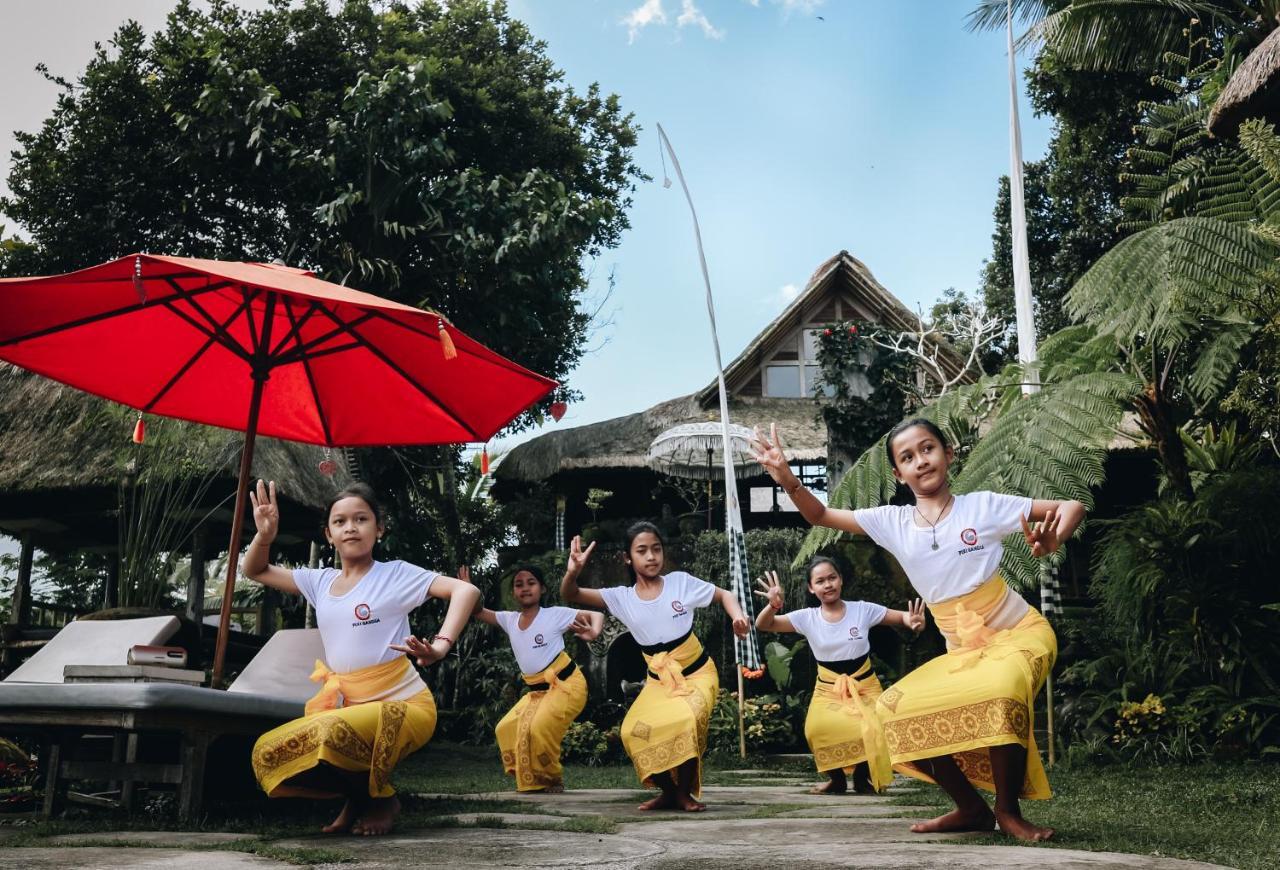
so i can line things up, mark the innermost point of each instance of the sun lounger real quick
(270, 691)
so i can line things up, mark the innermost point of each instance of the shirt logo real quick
(854, 633)
(363, 612)
(678, 608)
(538, 640)
(969, 537)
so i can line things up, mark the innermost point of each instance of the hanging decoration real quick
(558, 410)
(139, 430)
(327, 466)
(446, 343)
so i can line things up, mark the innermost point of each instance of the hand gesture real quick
(741, 628)
(581, 626)
(767, 450)
(424, 653)
(464, 573)
(266, 512)
(1042, 537)
(577, 556)
(915, 615)
(771, 590)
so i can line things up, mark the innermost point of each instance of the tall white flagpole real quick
(1018, 224)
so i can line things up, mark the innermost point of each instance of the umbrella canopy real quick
(261, 348)
(696, 450)
(191, 338)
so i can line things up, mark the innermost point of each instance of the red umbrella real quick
(264, 349)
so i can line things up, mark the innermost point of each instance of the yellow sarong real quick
(363, 734)
(667, 723)
(980, 694)
(529, 735)
(842, 728)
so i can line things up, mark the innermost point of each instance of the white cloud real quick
(788, 293)
(690, 14)
(650, 12)
(806, 7)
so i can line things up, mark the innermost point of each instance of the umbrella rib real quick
(296, 325)
(211, 332)
(306, 367)
(499, 360)
(306, 349)
(249, 296)
(395, 367)
(186, 367)
(219, 329)
(104, 315)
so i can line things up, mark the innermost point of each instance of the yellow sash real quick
(550, 674)
(962, 621)
(356, 686)
(669, 666)
(861, 695)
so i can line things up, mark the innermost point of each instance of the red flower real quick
(826, 332)
(853, 330)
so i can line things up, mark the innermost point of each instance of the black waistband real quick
(848, 667)
(665, 646)
(565, 673)
(689, 668)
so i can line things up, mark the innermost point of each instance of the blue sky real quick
(882, 130)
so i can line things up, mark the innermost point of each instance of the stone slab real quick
(176, 839)
(107, 858)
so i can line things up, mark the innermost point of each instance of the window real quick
(782, 381)
(768, 499)
(811, 345)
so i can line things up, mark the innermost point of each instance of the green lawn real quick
(1221, 813)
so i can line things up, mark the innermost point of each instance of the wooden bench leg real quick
(127, 788)
(53, 755)
(195, 749)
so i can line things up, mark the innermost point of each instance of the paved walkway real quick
(774, 825)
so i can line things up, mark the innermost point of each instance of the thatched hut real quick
(1253, 90)
(68, 469)
(772, 380)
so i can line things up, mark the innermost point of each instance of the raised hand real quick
(1042, 537)
(266, 511)
(424, 653)
(915, 615)
(577, 556)
(581, 626)
(464, 573)
(771, 590)
(767, 450)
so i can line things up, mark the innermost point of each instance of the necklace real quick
(934, 525)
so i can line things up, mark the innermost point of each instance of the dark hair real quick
(634, 531)
(931, 426)
(821, 560)
(532, 569)
(360, 490)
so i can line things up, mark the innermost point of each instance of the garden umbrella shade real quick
(261, 349)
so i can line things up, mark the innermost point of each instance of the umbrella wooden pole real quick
(742, 727)
(237, 529)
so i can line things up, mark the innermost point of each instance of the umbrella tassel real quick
(446, 341)
(139, 430)
(484, 460)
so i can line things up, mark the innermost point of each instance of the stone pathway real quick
(773, 825)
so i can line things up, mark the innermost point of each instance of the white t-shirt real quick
(667, 617)
(359, 627)
(969, 541)
(843, 640)
(537, 646)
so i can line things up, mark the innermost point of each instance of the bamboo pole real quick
(742, 728)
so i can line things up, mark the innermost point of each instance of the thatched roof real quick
(1253, 90)
(54, 439)
(842, 274)
(623, 442)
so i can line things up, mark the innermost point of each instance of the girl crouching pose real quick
(373, 708)
(841, 726)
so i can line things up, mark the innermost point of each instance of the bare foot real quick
(1019, 828)
(342, 824)
(663, 801)
(378, 818)
(689, 804)
(830, 787)
(958, 820)
(554, 788)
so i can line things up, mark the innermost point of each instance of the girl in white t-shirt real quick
(965, 718)
(665, 730)
(841, 726)
(373, 708)
(529, 736)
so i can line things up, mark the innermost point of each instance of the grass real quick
(1221, 813)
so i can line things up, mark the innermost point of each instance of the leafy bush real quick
(768, 721)
(587, 743)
